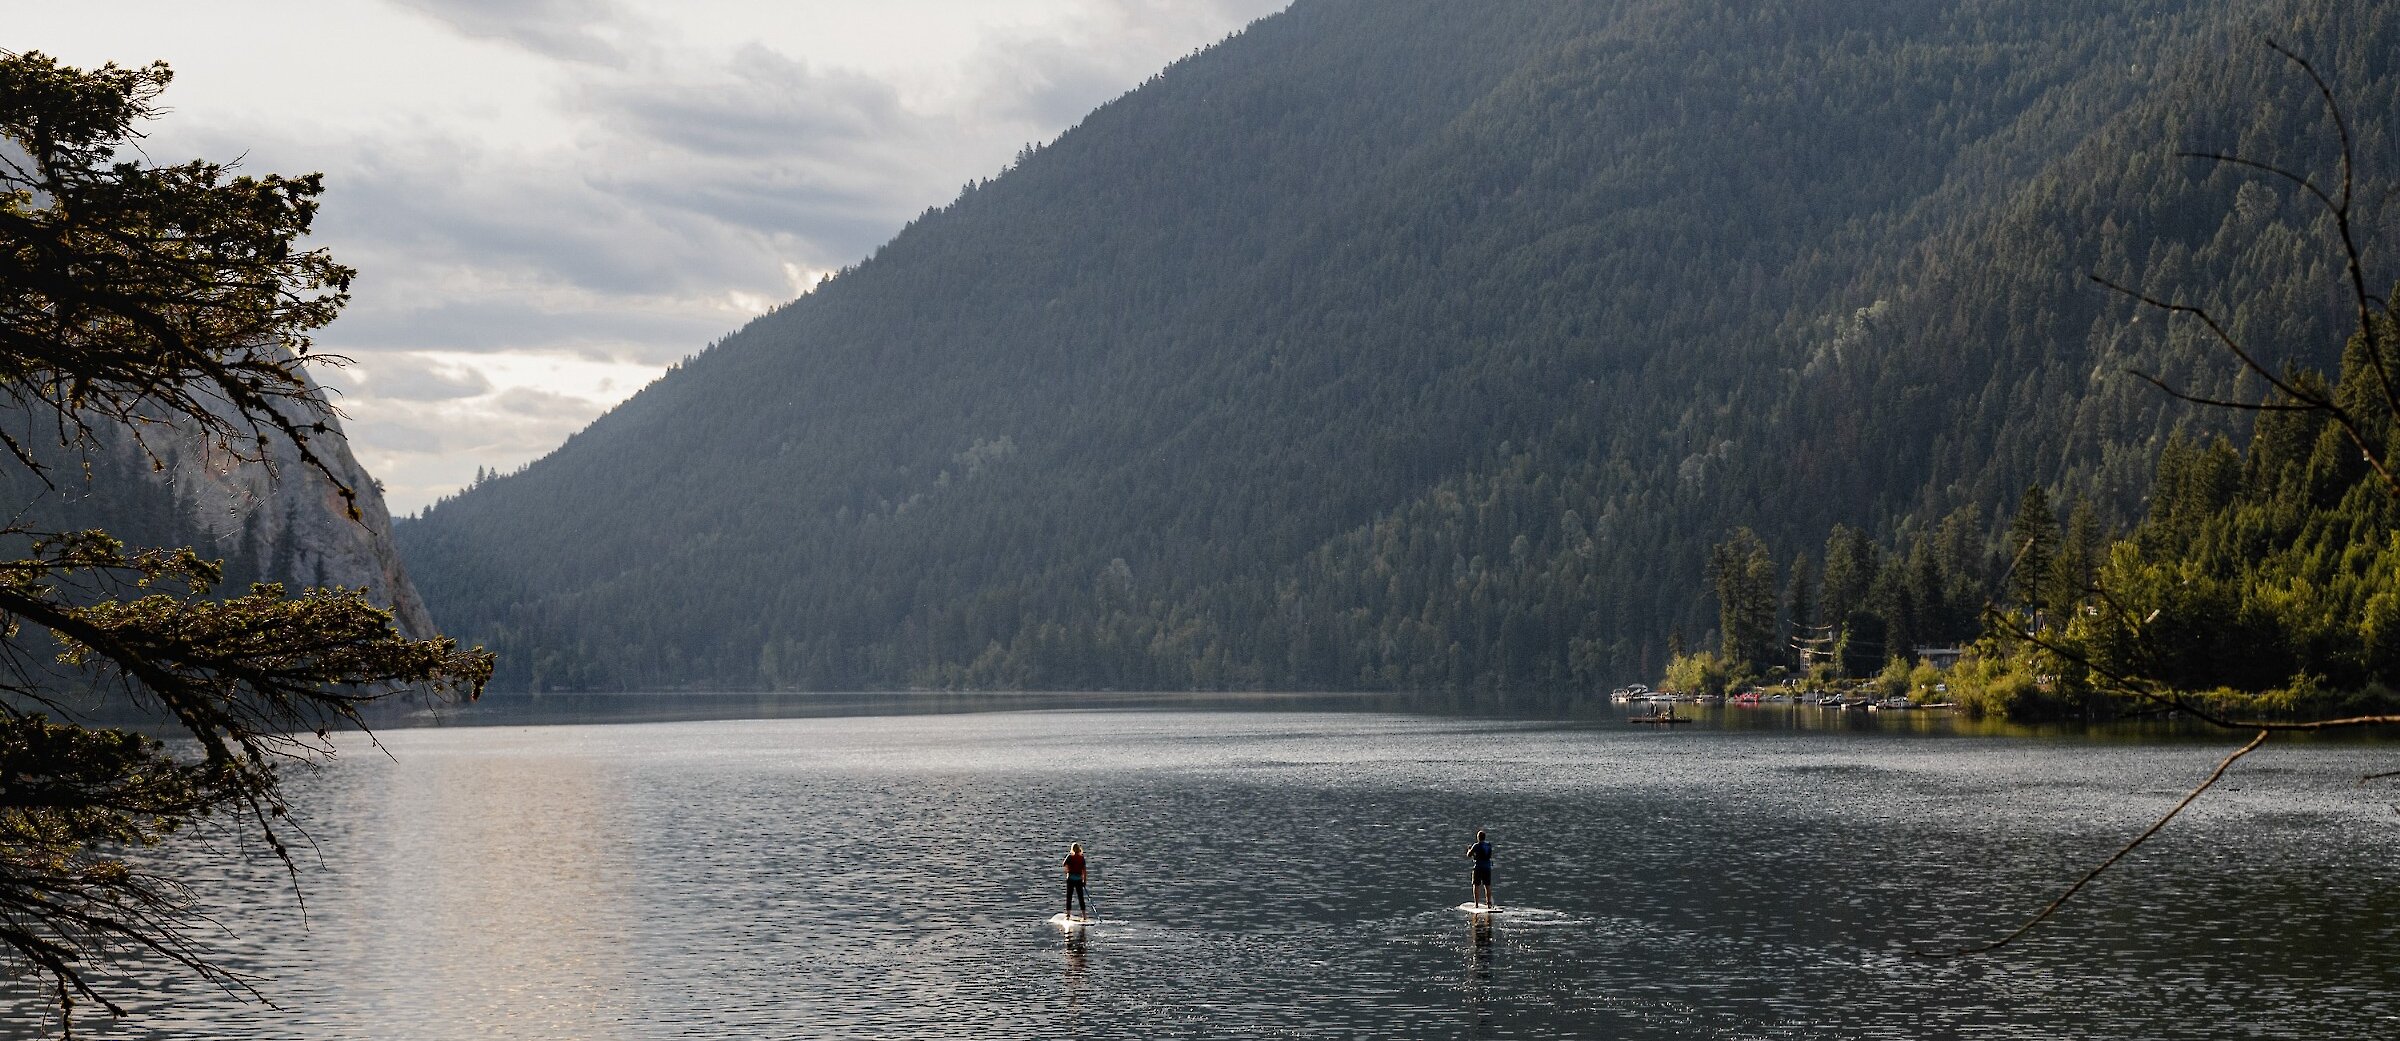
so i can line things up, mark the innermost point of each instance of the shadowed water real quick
(1267, 870)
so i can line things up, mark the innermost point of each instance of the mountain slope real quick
(1429, 345)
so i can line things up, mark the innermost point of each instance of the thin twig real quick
(2046, 912)
(2239, 406)
(2337, 205)
(2356, 268)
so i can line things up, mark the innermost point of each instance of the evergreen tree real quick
(1800, 609)
(1963, 554)
(2070, 579)
(2032, 546)
(132, 293)
(1851, 563)
(1742, 572)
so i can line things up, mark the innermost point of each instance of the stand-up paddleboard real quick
(1072, 921)
(1482, 908)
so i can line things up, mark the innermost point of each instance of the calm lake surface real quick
(883, 867)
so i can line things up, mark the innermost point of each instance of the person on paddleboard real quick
(1075, 893)
(1482, 852)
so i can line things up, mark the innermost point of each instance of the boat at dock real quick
(1662, 718)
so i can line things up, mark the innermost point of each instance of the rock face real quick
(290, 518)
(269, 516)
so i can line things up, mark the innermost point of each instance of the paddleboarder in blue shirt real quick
(1482, 852)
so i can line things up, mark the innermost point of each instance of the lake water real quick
(1291, 868)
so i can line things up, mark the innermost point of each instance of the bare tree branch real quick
(2337, 205)
(2240, 406)
(2352, 426)
(2355, 267)
(2044, 914)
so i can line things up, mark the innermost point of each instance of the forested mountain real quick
(1431, 345)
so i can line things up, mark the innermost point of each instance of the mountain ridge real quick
(1135, 412)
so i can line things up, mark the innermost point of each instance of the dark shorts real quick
(1483, 876)
(1074, 882)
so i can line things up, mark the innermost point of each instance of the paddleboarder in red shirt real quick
(1075, 893)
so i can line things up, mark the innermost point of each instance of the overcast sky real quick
(548, 201)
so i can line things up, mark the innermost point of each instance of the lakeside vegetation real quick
(2262, 580)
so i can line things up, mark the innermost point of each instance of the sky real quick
(550, 201)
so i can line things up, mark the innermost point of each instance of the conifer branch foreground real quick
(137, 299)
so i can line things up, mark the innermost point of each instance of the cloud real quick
(1052, 75)
(589, 31)
(1049, 82)
(527, 221)
(593, 326)
(422, 448)
(763, 104)
(537, 404)
(596, 188)
(396, 379)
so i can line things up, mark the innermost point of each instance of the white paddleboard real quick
(1067, 921)
(1482, 908)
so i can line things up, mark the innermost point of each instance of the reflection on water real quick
(559, 954)
(1274, 868)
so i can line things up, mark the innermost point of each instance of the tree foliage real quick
(1742, 572)
(134, 296)
(2268, 570)
(130, 292)
(2033, 549)
(2258, 571)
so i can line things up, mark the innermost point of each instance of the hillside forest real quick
(1427, 346)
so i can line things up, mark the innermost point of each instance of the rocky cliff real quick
(267, 514)
(292, 519)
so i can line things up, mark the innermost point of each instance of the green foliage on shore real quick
(2269, 575)
(1702, 672)
(1994, 684)
(2264, 581)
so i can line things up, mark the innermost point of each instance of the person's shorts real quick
(1074, 881)
(1483, 876)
